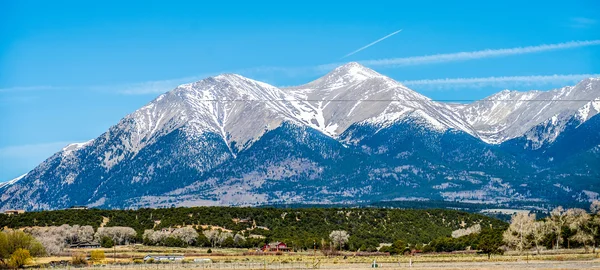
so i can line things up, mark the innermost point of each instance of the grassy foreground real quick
(127, 257)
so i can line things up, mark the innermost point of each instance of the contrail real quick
(371, 44)
(503, 81)
(488, 53)
(463, 56)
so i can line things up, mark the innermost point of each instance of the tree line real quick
(563, 228)
(251, 227)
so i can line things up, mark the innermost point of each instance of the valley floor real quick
(123, 258)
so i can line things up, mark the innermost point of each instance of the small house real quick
(275, 246)
(164, 258)
(85, 244)
(78, 207)
(14, 212)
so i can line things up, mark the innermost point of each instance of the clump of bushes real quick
(18, 248)
(19, 258)
(79, 259)
(97, 255)
(106, 242)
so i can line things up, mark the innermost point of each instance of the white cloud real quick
(582, 22)
(463, 56)
(150, 87)
(161, 86)
(40, 150)
(19, 159)
(504, 81)
(29, 88)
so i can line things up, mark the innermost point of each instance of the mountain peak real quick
(344, 75)
(355, 70)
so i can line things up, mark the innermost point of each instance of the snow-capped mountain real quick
(510, 114)
(352, 135)
(353, 93)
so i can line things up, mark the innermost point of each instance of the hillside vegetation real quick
(302, 227)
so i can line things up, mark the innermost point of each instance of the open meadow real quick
(131, 258)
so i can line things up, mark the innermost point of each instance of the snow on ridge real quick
(13, 181)
(75, 146)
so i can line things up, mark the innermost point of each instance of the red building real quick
(275, 246)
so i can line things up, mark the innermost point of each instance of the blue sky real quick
(71, 69)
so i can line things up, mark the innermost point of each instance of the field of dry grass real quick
(123, 257)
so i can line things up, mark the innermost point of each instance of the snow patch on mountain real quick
(69, 149)
(12, 182)
(510, 114)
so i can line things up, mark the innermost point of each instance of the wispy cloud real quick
(464, 56)
(504, 81)
(582, 22)
(371, 44)
(20, 159)
(42, 150)
(161, 86)
(29, 88)
(149, 87)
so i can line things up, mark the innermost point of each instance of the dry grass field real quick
(125, 257)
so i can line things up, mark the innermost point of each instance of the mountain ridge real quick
(351, 135)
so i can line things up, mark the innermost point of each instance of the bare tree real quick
(470, 230)
(156, 237)
(120, 235)
(518, 233)
(223, 236)
(539, 232)
(556, 221)
(594, 229)
(339, 238)
(595, 207)
(238, 239)
(185, 234)
(85, 234)
(212, 236)
(579, 221)
(54, 239)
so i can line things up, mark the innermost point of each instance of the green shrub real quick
(12, 240)
(107, 242)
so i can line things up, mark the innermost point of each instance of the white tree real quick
(595, 207)
(518, 233)
(158, 237)
(470, 230)
(556, 221)
(147, 236)
(212, 236)
(339, 238)
(85, 234)
(120, 235)
(238, 239)
(539, 232)
(54, 239)
(579, 221)
(223, 236)
(69, 233)
(185, 234)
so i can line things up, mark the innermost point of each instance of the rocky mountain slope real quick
(351, 136)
